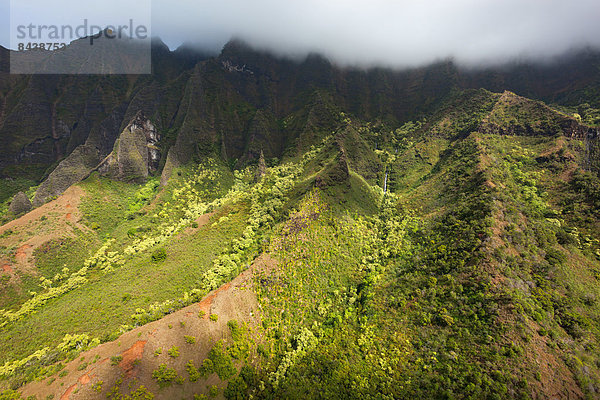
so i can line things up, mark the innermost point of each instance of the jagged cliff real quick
(136, 153)
(239, 103)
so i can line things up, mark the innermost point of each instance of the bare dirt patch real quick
(85, 379)
(23, 253)
(205, 305)
(56, 219)
(556, 380)
(130, 356)
(201, 221)
(67, 394)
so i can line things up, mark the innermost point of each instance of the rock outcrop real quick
(83, 159)
(20, 204)
(130, 157)
(262, 166)
(135, 154)
(335, 173)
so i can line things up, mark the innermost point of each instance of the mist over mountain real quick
(375, 33)
(389, 33)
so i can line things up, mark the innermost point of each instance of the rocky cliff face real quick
(135, 154)
(83, 159)
(20, 204)
(239, 103)
(592, 146)
(44, 118)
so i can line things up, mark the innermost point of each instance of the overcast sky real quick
(370, 32)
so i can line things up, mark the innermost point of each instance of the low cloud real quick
(396, 33)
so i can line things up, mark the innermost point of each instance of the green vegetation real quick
(54, 256)
(194, 373)
(213, 391)
(190, 339)
(436, 258)
(222, 362)
(42, 363)
(173, 352)
(164, 376)
(159, 254)
(104, 274)
(115, 360)
(97, 387)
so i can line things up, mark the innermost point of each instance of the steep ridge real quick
(515, 115)
(135, 154)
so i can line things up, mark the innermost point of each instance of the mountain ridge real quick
(242, 69)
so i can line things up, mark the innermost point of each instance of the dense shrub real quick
(159, 254)
(222, 361)
(164, 375)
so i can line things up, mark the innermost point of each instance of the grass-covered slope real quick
(452, 257)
